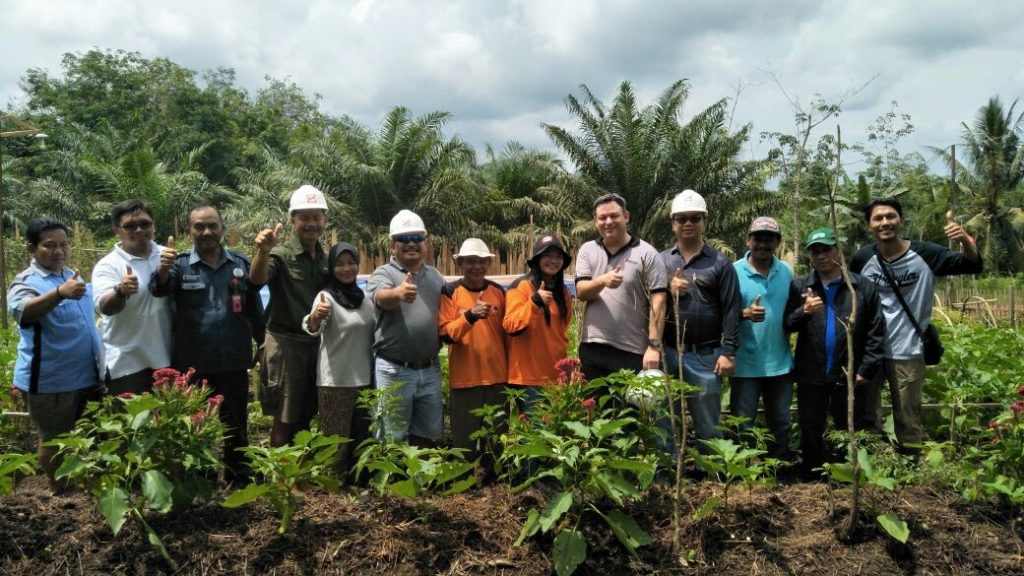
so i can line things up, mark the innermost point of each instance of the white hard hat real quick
(688, 201)
(647, 390)
(406, 222)
(307, 197)
(473, 247)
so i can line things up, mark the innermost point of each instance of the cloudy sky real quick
(503, 67)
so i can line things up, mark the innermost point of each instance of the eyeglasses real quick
(680, 219)
(410, 239)
(137, 225)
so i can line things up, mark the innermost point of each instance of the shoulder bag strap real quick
(896, 289)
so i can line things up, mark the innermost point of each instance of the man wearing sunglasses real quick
(135, 326)
(703, 284)
(407, 293)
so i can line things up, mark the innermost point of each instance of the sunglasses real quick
(139, 225)
(410, 239)
(680, 219)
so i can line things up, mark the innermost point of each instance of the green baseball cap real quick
(822, 236)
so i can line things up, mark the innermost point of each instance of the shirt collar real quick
(40, 271)
(154, 248)
(225, 256)
(745, 264)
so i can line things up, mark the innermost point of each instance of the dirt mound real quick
(791, 529)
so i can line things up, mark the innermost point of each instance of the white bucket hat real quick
(473, 247)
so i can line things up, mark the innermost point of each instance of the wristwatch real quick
(654, 343)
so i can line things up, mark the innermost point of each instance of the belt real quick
(410, 365)
(700, 348)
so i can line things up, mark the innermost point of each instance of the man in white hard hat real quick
(407, 293)
(703, 283)
(472, 312)
(296, 271)
(622, 281)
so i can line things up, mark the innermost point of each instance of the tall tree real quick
(647, 155)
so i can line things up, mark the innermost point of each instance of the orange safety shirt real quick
(534, 344)
(477, 352)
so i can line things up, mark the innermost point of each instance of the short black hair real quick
(133, 206)
(35, 229)
(611, 197)
(198, 207)
(890, 202)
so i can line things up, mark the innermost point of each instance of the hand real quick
(955, 231)
(812, 302)
(73, 288)
(267, 238)
(545, 295)
(129, 283)
(652, 358)
(167, 256)
(755, 313)
(611, 278)
(321, 312)
(679, 285)
(481, 309)
(407, 290)
(860, 380)
(725, 366)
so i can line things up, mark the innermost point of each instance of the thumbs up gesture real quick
(812, 302)
(72, 288)
(678, 285)
(129, 283)
(407, 290)
(612, 278)
(955, 231)
(321, 311)
(167, 257)
(481, 309)
(267, 238)
(754, 313)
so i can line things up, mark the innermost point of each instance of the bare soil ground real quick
(789, 529)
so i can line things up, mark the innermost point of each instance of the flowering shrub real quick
(145, 452)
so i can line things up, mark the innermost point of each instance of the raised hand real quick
(545, 295)
(73, 288)
(129, 283)
(267, 238)
(167, 257)
(755, 313)
(322, 310)
(955, 231)
(612, 278)
(679, 285)
(407, 290)
(481, 309)
(812, 302)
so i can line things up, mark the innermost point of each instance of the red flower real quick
(165, 373)
(15, 392)
(568, 370)
(522, 418)
(198, 417)
(126, 395)
(1018, 407)
(215, 400)
(588, 404)
(1020, 390)
(993, 425)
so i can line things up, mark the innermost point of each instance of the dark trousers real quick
(816, 401)
(234, 413)
(136, 382)
(463, 402)
(599, 360)
(341, 415)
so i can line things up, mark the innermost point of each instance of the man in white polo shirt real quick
(135, 326)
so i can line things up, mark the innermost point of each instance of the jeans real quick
(420, 408)
(905, 380)
(777, 392)
(705, 406)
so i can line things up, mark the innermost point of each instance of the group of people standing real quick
(323, 339)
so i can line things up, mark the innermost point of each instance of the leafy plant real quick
(870, 475)
(153, 451)
(591, 449)
(12, 465)
(281, 472)
(398, 468)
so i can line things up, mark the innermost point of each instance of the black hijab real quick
(348, 295)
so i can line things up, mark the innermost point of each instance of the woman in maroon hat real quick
(537, 316)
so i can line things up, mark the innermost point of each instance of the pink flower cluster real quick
(568, 370)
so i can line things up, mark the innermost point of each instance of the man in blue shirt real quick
(763, 359)
(218, 315)
(60, 352)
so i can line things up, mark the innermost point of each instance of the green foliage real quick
(145, 452)
(12, 465)
(591, 449)
(279, 474)
(870, 475)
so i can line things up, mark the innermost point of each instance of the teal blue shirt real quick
(764, 346)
